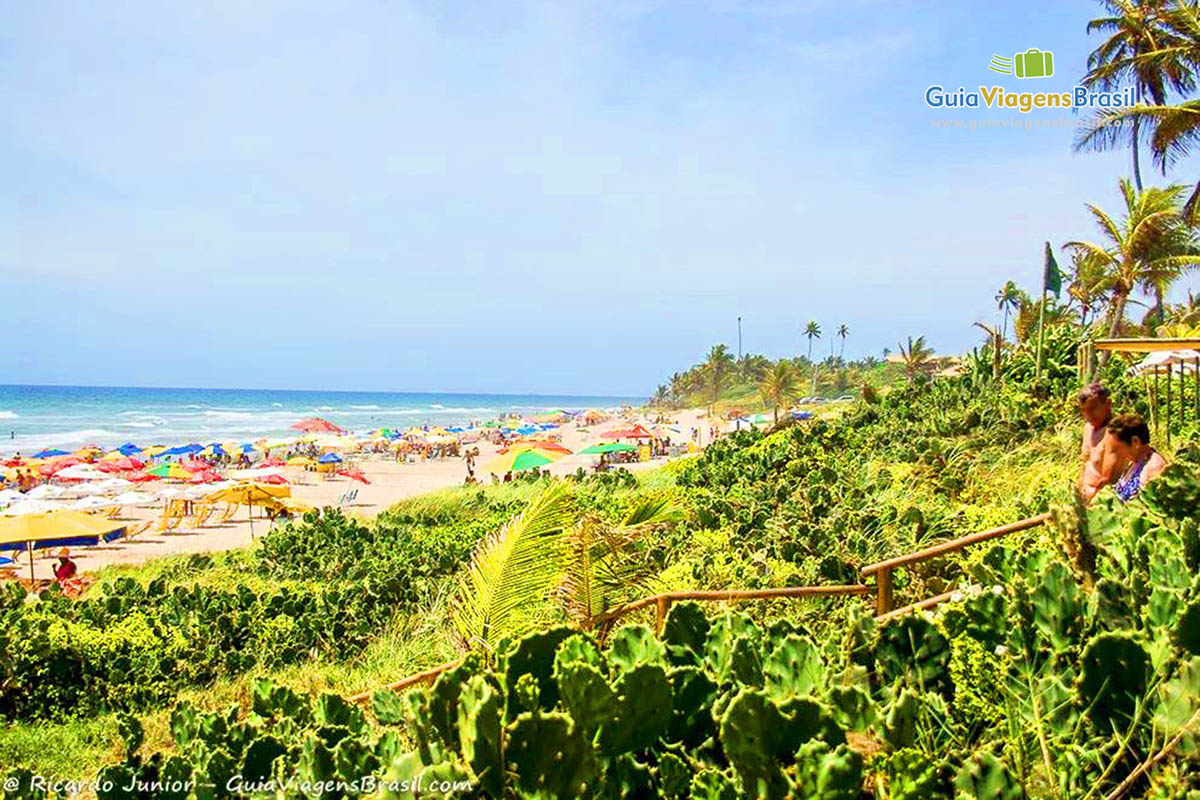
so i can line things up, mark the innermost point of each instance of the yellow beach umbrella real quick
(300, 461)
(250, 494)
(64, 525)
(154, 450)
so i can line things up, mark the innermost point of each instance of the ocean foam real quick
(366, 408)
(8, 415)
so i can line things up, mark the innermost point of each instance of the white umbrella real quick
(82, 490)
(45, 492)
(198, 492)
(134, 499)
(8, 496)
(170, 493)
(31, 507)
(1166, 361)
(80, 472)
(113, 484)
(93, 502)
(253, 474)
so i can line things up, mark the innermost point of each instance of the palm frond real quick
(513, 568)
(652, 509)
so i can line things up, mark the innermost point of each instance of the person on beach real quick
(1137, 463)
(1095, 405)
(65, 569)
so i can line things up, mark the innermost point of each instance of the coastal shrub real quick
(996, 693)
(139, 644)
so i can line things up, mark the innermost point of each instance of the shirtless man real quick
(1096, 407)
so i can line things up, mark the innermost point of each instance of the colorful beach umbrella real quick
(128, 449)
(330, 458)
(316, 425)
(520, 458)
(608, 447)
(51, 453)
(169, 471)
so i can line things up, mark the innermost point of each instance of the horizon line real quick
(344, 391)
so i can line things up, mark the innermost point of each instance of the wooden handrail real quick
(883, 570)
(662, 603)
(404, 683)
(718, 595)
(954, 544)
(883, 599)
(1146, 345)
(927, 603)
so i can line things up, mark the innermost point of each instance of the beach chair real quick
(137, 530)
(227, 515)
(199, 516)
(172, 515)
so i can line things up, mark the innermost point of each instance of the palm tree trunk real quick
(1133, 140)
(1114, 325)
(1137, 166)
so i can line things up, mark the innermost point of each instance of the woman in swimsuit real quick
(1127, 439)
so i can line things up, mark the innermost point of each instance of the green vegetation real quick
(1065, 666)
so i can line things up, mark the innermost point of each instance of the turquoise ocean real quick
(67, 417)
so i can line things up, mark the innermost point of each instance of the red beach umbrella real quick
(316, 425)
(204, 476)
(141, 477)
(276, 479)
(274, 462)
(354, 475)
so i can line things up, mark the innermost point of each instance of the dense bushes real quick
(138, 645)
(1027, 684)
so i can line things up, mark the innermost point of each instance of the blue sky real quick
(553, 197)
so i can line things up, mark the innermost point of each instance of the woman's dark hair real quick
(1093, 390)
(1127, 426)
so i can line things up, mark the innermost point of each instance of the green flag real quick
(1053, 278)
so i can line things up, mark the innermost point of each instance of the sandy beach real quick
(390, 482)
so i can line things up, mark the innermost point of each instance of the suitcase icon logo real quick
(1033, 63)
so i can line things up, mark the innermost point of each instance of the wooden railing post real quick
(883, 591)
(661, 605)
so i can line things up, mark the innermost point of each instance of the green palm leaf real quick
(513, 568)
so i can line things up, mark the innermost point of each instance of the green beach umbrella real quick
(609, 447)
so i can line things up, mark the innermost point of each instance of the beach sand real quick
(390, 483)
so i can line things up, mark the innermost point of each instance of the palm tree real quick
(842, 333)
(995, 344)
(1148, 249)
(778, 386)
(812, 331)
(1086, 284)
(916, 356)
(717, 370)
(1136, 29)
(1007, 300)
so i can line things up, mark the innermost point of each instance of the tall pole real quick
(739, 340)
(1037, 377)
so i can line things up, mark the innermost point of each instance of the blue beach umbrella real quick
(329, 458)
(51, 453)
(128, 449)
